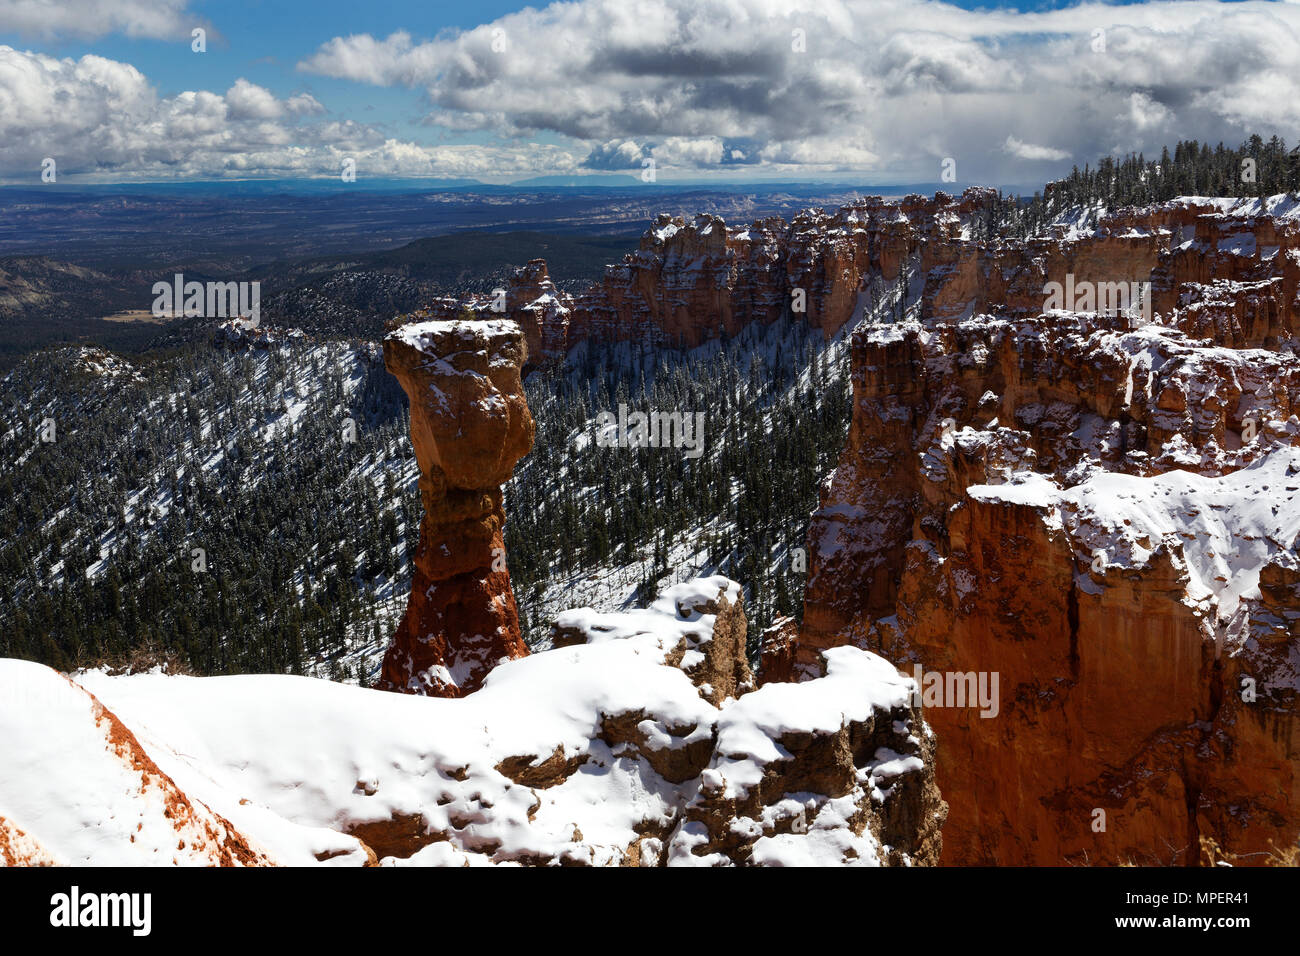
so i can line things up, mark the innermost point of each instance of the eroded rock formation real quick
(998, 452)
(470, 424)
(1102, 512)
(691, 281)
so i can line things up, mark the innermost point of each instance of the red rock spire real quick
(470, 424)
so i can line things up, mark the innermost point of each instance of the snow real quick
(1032, 489)
(1222, 529)
(75, 789)
(295, 763)
(1283, 206)
(475, 333)
(750, 729)
(666, 231)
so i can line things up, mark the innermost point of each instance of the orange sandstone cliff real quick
(470, 424)
(692, 281)
(1104, 513)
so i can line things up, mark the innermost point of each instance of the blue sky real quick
(862, 90)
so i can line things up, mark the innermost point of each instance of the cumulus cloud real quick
(882, 89)
(1029, 151)
(615, 155)
(863, 85)
(100, 118)
(88, 19)
(247, 100)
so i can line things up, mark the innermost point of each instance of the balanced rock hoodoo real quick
(470, 424)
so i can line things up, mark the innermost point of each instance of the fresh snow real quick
(1223, 530)
(293, 762)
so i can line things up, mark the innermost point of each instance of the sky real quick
(862, 91)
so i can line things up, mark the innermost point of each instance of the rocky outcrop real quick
(1098, 517)
(832, 771)
(692, 281)
(242, 333)
(643, 742)
(699, 279)
(776, 650)
(528, 298)
(470, 424)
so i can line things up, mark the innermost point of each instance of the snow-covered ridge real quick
(1283, 206)
(602, 753)
(1221, 531)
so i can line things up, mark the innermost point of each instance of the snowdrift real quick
(640, 741)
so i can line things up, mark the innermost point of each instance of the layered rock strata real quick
(1106, 519)
(694, 280)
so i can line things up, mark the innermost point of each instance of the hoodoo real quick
(470, 424)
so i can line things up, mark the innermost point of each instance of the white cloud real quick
(870, 88)
(883, 85)
(87, 19)
(1031, 152)
(688, 151)
(615, 154)
(101, 119)
(247, 100)
(303, 104)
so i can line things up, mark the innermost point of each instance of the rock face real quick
(1101, 513)
(692, 281)
(470, 424)
(643, 742)
(689, 282)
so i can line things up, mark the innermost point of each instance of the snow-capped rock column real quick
(470, 424)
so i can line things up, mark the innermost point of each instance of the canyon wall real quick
(692, 281)
(1104, 513)
(470, 424)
